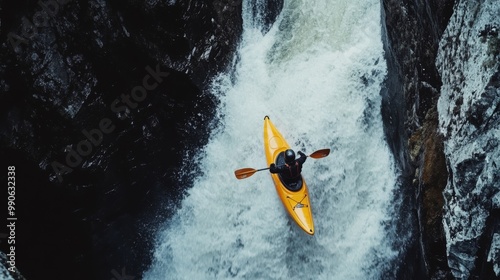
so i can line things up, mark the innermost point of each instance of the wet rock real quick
(468, 115)
(412, 33)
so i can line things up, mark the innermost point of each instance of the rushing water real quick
(318, 74)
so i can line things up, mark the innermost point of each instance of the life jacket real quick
(292, 171)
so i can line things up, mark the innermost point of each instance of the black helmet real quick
(289, 156)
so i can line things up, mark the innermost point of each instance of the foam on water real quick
(317, 73)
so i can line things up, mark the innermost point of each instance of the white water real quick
(317, 74)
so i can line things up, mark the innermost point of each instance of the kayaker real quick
(290, 172)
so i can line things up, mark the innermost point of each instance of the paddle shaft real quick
(247, 172)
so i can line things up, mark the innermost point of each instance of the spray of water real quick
(317, 73)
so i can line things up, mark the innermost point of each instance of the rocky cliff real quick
(101, 100)
(469, 105)
(443, 66)
(412, 33)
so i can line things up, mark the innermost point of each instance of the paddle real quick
(247, 172)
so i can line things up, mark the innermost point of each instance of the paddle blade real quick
(244, 173)
(320, 153)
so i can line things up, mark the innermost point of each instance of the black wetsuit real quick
(290, 173)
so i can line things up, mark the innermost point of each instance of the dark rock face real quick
(101, 103)
(412, 30)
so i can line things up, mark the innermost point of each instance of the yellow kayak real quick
(295, 197)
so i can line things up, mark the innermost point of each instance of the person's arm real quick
(276, 169)
(302, 157)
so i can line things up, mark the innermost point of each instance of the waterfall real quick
(317, 73)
